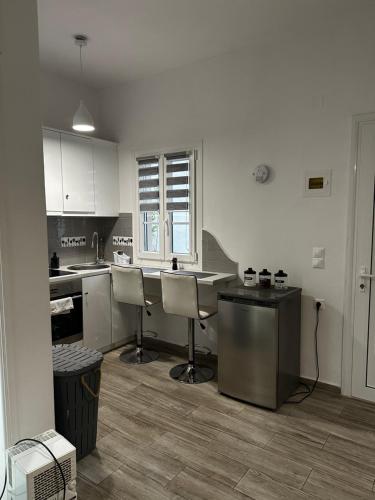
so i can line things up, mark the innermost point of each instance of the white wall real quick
(60, 99)
(289, 106)
(26, 358)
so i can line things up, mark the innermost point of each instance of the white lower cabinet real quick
(97, 323)
(124, 322)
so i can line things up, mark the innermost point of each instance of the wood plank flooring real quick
(159, 439)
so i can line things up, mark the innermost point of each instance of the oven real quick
(67, 327)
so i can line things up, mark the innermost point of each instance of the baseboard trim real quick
(170, 348)
(322, 385)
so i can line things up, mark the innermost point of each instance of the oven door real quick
(67, 327)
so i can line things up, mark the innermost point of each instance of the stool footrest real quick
(200, 349)
(150, 334)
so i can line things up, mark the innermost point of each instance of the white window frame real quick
(139, 239)
(164, 257)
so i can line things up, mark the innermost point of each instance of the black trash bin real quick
(76, 378)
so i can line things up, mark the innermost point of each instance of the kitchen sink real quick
(88, 267)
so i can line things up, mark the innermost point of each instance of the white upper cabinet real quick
(52, 171)
(106, 179)
(77, 173)
(81, 175)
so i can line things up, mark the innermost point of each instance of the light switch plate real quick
(318, 252)
(318, 263)
(317, 183)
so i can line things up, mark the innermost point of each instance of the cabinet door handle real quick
(67, 197)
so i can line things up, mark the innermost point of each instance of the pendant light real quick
(82, 120)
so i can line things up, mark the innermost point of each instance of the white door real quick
(78, 174)
(363, 374)
(97, 325)
(52, 171)
(107, 189)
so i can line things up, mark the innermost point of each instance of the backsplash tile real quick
(60, 227)
(122, 227)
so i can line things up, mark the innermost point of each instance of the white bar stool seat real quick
(128, 287)
(180, 297)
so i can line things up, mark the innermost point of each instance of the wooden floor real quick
(159, 439)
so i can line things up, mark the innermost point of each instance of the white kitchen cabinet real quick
(124, 322)
(52, 171)
(97, 323)
(78, 174)
(106, 178)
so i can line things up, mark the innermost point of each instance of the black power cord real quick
(36, 441)
(5, 482)
(310, 389)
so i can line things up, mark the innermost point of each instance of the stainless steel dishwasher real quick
(259, 344)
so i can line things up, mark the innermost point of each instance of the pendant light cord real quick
(81, 67)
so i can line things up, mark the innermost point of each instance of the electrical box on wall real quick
(317, 183)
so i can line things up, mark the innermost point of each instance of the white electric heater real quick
(33, 473)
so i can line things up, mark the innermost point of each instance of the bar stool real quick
(128, 287)
(180, 297)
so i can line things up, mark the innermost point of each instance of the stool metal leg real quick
(191, 372)
(139, 355)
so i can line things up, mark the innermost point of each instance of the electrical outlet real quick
(122, 241)
(322, 302)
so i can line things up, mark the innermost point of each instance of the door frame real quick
(350, 261)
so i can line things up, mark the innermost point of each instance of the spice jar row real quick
(265, 279)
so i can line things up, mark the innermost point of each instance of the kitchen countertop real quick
(149, 272)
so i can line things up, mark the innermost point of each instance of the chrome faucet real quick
(95, 235)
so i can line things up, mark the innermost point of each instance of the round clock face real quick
(261, 173)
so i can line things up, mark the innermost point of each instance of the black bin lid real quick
(69, 360)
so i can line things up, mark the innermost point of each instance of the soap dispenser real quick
(55, 261)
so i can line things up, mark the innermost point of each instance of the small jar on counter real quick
(250, 277)
(281, 280)
(265, 279)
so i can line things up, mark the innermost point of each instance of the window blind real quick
(148, 184)
(178, 177)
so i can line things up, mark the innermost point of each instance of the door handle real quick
(166, 222)
(364, 275)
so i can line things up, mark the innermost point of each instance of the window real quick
(166, 200)
(149, 203)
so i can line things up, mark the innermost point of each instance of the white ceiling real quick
(132, 39)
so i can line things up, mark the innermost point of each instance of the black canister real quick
(174, 264)
(265, 279)
(250, 277)
(281, 280)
